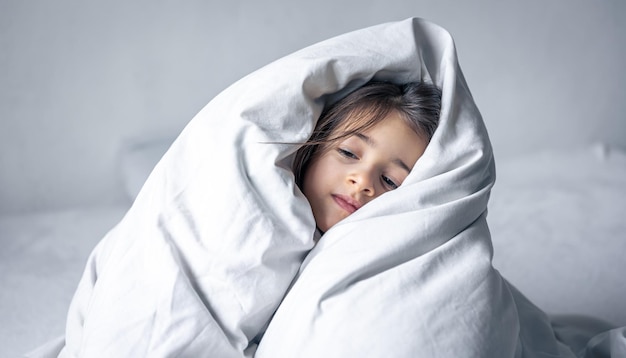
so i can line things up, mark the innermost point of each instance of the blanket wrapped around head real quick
(217, 256)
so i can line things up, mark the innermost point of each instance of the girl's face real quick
(360, 168)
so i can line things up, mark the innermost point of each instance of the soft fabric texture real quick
(42, 257)
(204, 262)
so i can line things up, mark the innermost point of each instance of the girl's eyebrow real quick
(366, 139)
(370, 142)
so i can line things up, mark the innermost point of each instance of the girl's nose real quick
(363, 182)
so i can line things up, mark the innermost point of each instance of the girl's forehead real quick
(362, 118)
(365, 120)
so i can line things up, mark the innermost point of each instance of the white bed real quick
(558, 229)
(565, 254)
(42, 258)
(191, 270)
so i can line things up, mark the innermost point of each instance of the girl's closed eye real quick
(347, 153)
(389, 183)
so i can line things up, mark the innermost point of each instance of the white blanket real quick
(204, 261)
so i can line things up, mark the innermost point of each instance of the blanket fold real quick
(218, 249)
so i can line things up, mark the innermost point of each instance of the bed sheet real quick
(42, 257)
(568, 262)
(558, 229)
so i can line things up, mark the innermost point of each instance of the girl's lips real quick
(347, 203)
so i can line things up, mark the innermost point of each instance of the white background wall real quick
(79, 78)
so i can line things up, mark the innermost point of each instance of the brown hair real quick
(418, 103)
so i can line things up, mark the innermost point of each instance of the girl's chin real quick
(330, 223)
(325, 226)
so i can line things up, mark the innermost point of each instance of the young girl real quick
(365, 145)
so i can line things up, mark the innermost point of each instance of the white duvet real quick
(216, 258)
